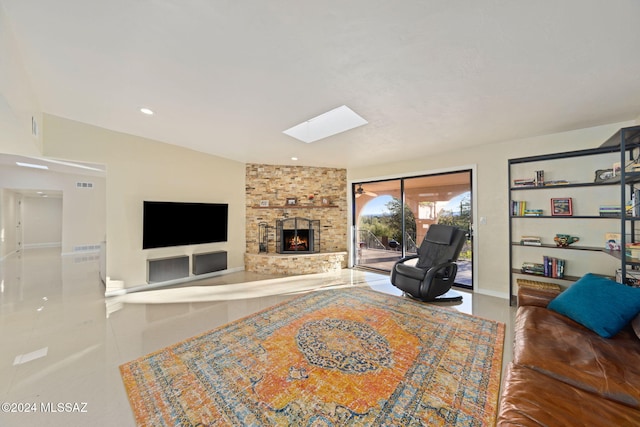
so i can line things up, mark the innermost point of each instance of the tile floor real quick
(62, 341)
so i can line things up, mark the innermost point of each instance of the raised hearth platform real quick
(292, 264)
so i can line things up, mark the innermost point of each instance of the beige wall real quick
(139, 169)
(17, 101)
(41, 221)
(491, 196)
(8, 202)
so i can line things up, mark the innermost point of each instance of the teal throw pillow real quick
(600, 304)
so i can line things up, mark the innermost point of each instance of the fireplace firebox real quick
(297, 235)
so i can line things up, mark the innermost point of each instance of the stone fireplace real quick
(295, 248)
(297, 235)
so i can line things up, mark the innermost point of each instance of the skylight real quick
(332, 122)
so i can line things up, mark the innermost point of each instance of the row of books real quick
(524, 182)
(610, 210)
(550, 267)
(519, 208)
(632, 206)
(632, 250)
(531, 241)
(537, 181)
(556, 182)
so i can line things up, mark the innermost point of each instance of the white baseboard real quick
(502, 295)
(77, 253)
(42, 245)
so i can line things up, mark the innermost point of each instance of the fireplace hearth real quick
(297, 235)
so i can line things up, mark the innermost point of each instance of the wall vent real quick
(86, 258)
(84, 184)
(86, 248)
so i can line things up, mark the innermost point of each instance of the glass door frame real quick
(353, 244)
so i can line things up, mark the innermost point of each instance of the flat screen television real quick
(178, 223)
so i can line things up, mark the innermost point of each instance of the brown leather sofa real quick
(563, 374)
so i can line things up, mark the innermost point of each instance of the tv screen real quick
(176, 224)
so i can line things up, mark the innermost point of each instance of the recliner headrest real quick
(440, 234)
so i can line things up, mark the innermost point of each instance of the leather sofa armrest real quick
(536, 297)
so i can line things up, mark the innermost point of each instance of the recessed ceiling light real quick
(31, 165)
(146, 111)
(332, 122)
(294, 158)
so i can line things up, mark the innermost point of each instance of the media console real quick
(177, 267)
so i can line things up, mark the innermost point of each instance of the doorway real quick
(391, 218)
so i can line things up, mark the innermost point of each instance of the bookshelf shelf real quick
(565, 278)
(568, 248)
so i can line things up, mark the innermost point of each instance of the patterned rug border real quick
(382, 301)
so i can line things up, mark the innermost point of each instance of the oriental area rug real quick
(347, 357)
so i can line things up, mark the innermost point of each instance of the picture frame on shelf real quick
(325, 201)
(291, 201)
(264, 203)
(561, 206)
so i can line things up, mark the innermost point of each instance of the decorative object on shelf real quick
(564, 240)
(540, 178)
(264, 203)
(562, 207)
(632, 279)
(325, 200)
(524, 283)
(311, 197)
(616, 169)
(612, 241)
(603, 174)
(292, 201)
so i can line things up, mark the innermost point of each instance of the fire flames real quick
(296, 243)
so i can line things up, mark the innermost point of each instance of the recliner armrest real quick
(409, 271)
(433, 271)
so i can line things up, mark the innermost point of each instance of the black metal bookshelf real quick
(626, 143)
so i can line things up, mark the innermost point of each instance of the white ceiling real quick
(227, 77)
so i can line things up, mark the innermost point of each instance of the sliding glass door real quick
(391, 218)
(378, 224)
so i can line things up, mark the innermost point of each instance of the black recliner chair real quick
(434, 272)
